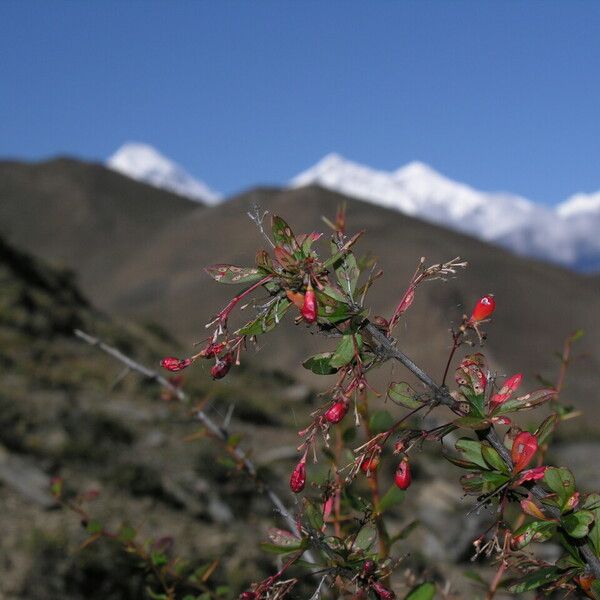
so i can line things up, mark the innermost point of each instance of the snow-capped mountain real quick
(145, 163)
(567, 234)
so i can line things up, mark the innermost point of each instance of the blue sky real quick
(501, 95)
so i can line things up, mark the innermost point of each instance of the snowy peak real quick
(144, 163)
(564, 235)
(580, 205)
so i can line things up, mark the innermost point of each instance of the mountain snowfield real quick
(144, 163)
(567, 234)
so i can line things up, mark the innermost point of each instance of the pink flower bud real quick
(336, 412)
(524, 447)
(403, 476)
(309, 308)
(483, 309)
(298, 478)
(175, 364)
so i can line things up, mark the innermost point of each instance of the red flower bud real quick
(524, 447)
(483, 309)
(403, 476)
(368, 568)
(298, 478)
(336, 412)
(221, 367)
(175, 364)
(369, 465)
(309, 308)
(382, 591)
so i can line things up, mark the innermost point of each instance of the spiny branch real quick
(387, 350)
(219, 432)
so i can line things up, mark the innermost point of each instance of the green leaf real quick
(392, 497)
(156, 595)
(320, 364)
(222, 273)
(314, 514)
(126, 533)
(401, 393)
(266, 323)
(544, 431)
(535, 580)
(275, 549)
(380, 421)
(492, 481)
(561, 481)
(425, 591)
(536, 531)
(331, 309)
(345, 351)
(366, 537)
(577, 524)
(493, 459)
(158, 558)
(346, 271)
(592, 503)
(94, 526)
(472, 423)
(471, 450)
(283, 236)
(526, 402)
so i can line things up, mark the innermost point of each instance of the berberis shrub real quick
(338, 539)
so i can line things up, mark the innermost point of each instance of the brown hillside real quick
(538, 304)
(82, 216)
(141, 252)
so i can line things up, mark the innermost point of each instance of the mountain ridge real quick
(564, 235)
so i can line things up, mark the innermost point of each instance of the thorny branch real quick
(219, 432)
(387, 350)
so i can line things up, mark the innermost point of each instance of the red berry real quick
(369, 465)
(336, 412)
(523, 449)
(175, 364)
(309, 308)
(403, 476)
(221, 367)
(483, 309)
(298, 478)
(382, 591)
